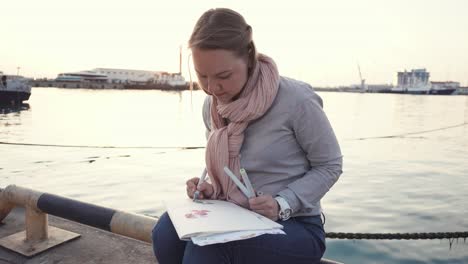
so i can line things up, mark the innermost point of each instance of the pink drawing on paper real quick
(196, 214)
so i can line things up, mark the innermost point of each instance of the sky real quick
(320, 42)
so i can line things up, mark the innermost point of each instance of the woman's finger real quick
(192, 181)
(206, 188)
(190, 191)
(191, 186)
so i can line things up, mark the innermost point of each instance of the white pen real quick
(237, 182)
(202, 179)
(247, 182)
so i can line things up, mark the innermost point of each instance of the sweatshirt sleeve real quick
(315, 135)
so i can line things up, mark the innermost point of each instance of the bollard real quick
(5, 206)
(36, 225)
(38, 236)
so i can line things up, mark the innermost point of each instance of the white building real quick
(416, 78)
(140, 77)
(126, 76)
(172, 79)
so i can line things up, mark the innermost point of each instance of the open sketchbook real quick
(212, 221)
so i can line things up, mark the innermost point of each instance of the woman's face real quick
(220, 73)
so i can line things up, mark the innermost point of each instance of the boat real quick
(14, 89)
(444, 88)
(417, 81)
(82, 76)
(421, 90)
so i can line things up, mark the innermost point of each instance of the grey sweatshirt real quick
(291, 151)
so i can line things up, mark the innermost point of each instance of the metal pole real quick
(37, 228)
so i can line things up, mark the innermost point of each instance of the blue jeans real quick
(304, 242)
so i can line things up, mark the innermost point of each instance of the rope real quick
(201, 147)
(399, 236)
(412, 133)
(84, 146)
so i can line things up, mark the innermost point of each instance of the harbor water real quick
(405, 161)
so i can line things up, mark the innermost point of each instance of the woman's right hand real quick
(206, 189)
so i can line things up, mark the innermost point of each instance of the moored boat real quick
(14, 89)
(420, 90)
(417, 82)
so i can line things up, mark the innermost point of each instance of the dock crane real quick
(363, 81)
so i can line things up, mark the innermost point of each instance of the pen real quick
(202, 179)
(247, 182)
(238, 183)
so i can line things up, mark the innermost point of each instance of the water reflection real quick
(7, 109)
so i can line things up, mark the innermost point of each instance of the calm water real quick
(416, 181)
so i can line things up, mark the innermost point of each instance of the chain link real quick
(399, 236)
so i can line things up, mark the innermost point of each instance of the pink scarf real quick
(225, 140)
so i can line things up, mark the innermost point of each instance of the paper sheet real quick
(232, 236)
(213, 217)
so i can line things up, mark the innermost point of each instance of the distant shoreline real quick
(460, 91)
(121, 86)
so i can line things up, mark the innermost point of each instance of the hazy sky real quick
(317, 41)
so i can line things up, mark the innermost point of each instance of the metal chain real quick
(399, 236)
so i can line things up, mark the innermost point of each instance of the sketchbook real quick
(212, 221)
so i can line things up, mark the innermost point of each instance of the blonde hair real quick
(223, 28)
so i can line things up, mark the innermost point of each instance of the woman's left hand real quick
(265, 205)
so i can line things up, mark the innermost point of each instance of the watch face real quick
(285, 215)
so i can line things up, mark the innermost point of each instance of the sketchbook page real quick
(213, 216)
(233, 236)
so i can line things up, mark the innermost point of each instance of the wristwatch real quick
(284, 208)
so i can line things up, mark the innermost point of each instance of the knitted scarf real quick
(225, 140)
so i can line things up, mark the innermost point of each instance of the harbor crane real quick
(363, 81)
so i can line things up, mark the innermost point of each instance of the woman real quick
(273, 127)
